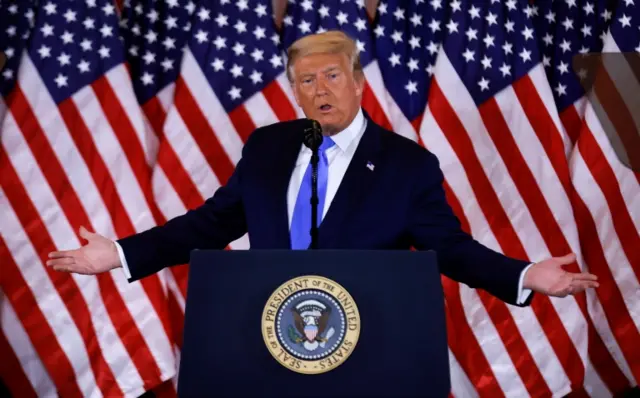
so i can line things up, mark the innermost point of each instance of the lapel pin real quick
(370, 166)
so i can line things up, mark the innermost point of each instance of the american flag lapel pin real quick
(370, 166)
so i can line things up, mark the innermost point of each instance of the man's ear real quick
(358, 78)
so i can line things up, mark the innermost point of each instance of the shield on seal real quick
(311, 331)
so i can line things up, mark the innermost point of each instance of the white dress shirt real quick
(338, 156)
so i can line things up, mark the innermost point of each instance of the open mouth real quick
(325, 108)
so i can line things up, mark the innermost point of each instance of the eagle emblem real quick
(311, 318)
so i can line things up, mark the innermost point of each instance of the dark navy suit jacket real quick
(398, 205)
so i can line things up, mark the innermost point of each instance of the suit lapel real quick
(284, 161)
(355, 183)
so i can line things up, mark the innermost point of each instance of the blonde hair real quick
(332, 42)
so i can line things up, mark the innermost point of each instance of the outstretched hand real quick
(548, 277)
(98, 255)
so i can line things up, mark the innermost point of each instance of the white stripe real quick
(47, 297)
(20, 343)
(168, 200)
(593, 384)
(621, 269)
(165, 96)
(120, 82)
(63, 237)
(211, 107)
(477, 317)
(461, 386)
(189, 154)
(259, 110)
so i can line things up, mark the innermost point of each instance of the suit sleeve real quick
(217, 222)
(434, 226)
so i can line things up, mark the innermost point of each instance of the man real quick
(377, 190)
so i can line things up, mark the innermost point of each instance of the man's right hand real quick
(98, 255)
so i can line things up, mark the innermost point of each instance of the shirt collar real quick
(344, 138)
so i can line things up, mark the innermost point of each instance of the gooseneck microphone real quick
(312, 140)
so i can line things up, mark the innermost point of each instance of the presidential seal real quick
(310, 324)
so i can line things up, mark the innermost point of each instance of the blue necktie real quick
(301, 219)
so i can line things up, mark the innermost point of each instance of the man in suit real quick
(377, 190)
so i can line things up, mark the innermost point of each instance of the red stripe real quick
(73, 209)
(242, 122)
(181, 276)
(457, 136)
(548, 227)
(572, 123)
(11, 372)
(156, 115)
(279, 102)
(462, 341)
(26, 307)
(371, 105)
(551, 140)
(203, 134)
(619, 114)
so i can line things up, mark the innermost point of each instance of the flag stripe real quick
(242, 122)
(456, 134)
(74, 211)
(11, 370)
(279, 102)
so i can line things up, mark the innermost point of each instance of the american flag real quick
(607, 190)
(74, 155)
(121, 124)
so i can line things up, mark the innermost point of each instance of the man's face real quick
(327, 90)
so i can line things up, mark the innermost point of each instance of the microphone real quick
(312, 140)
(313, 135)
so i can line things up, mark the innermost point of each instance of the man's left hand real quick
(548, 277)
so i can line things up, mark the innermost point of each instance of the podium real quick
(312, 323)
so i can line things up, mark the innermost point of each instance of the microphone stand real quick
(313, 139)
(314, 198)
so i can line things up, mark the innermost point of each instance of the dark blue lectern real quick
(314, 323)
